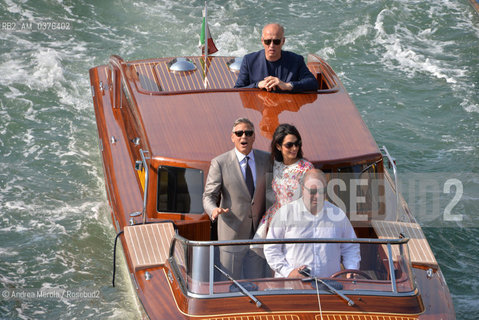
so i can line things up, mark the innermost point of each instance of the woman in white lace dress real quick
(288, 169)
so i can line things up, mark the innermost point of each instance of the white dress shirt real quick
(295, 221)
(242, 161)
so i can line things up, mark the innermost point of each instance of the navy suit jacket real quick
(289, 68)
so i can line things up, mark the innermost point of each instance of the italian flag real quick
(205, 34)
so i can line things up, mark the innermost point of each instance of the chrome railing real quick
(392, 165)
(196, 260)
(145, 193)
(142, 165)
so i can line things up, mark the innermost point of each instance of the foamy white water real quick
(410, 67)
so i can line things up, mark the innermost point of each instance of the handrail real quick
(209, 246)
(289, 240)
(118, 74)
(116, 63)
(219, 243)
(166, 93)
(392, 163)
(145, 192)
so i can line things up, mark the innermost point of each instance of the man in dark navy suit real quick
(273, 69)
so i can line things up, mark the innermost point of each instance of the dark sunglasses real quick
(289, 145)
(276, 42)
(314, 191)
(240, 133)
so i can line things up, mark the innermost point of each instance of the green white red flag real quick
(206, 35)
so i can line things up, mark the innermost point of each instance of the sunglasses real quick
(289, 145)
(314, 191)
(276, 42)
(240, 133)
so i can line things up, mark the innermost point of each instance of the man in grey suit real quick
(235, 195)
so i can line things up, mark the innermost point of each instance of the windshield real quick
(384, 268)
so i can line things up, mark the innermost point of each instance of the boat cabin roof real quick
(176, 106)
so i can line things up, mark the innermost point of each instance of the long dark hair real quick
(278, 137)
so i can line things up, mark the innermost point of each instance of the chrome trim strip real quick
(212, 269)
(133, 279)
(302, 292)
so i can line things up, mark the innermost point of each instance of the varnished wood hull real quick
(160, 119)
(475, 4)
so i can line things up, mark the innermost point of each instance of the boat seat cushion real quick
(149, 244)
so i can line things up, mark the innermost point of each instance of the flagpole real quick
(206, 31)
(206, 46)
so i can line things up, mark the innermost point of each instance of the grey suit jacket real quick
(226, 188)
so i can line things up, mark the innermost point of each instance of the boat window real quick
(180, 190)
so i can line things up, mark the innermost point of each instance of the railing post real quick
(116, 63)
(145, 192)
(393, 166)
(212, 268)
(391, 268)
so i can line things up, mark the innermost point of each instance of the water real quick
(410, 66)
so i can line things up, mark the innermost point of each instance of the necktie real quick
(249, 178)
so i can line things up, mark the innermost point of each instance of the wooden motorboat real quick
(475, 4)
(161, 121)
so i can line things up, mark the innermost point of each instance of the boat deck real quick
(332, 129)
(419, 249)
(154, 76)
(149, 244)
